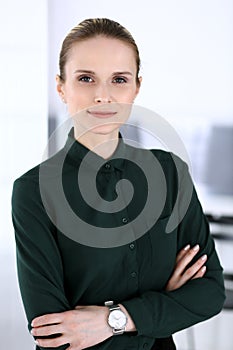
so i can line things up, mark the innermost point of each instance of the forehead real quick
(102, 51)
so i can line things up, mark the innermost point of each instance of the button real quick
(107, 166)
(124, 220)
(133, 274)
(132, 246)
(145, 346)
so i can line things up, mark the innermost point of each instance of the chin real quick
(105, 129)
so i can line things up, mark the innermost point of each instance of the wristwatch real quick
(117, 319)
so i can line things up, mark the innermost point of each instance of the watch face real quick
(117, 319)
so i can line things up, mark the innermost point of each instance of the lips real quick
(102, 114)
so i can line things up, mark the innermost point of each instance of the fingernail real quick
(36, 342)
(204, 257)
(203, 269)
(187, 247)
(196, 247)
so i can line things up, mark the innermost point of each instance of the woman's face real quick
(100, 83)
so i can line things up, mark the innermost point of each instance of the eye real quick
(120, 80)
(85, 79)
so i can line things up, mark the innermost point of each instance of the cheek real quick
(78, 100)
(125, 96)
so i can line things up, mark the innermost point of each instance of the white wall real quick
(23, 88)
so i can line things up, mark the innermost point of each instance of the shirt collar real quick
(77, 152)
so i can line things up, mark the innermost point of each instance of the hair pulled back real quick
(90, 28)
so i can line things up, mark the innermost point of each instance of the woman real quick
(68, 279)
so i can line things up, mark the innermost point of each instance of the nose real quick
(102, 94)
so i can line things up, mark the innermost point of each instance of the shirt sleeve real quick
(159, 314)
(39, 264)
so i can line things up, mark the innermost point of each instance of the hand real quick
(181, 273)
(81, 328)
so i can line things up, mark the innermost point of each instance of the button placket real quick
(132, 264)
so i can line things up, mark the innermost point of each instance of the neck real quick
(102, 144)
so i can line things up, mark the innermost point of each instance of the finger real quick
(52, 343)
(80, 307)
(46, 330)
(47, 319)
(200, 273)
(182, 253)
(197, 270)
(191, 271)
(187, 258)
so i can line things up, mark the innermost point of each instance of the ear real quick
(138, 86)
(60, 88)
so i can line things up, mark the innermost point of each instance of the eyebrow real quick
(91, 72)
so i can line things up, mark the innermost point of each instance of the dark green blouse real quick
(68, 251)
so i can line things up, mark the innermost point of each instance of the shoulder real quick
(168, 160)
(28, 183)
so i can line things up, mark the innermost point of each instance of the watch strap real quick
(111, 305)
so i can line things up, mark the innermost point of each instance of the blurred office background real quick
(187, 68)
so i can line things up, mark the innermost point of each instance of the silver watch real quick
(117, 319)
